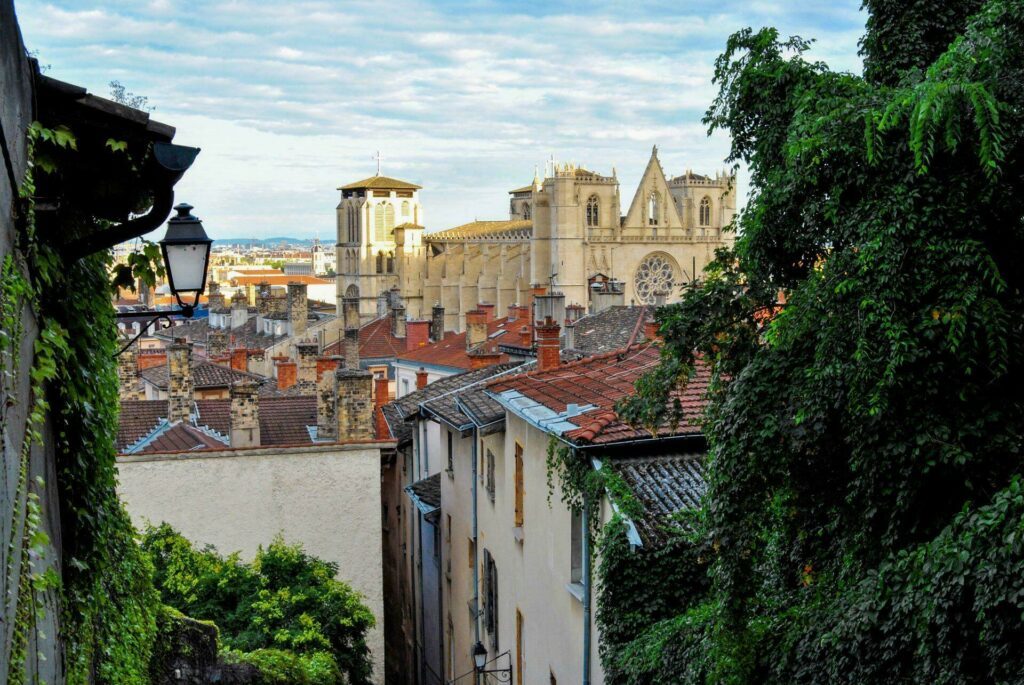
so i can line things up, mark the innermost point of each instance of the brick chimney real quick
(326, 366)
(548, 352)
(417, 334)
(239, 310)
(398, 321)
(421, 378)
(354, 388)
(380, 398)
(326, 406)
(476, 328)
(147, 359)
(437, 323)
(244, 422)
(306, 352)
(179, 388)
(487, 309)
(298, 309)
(287, 374)
(651, 330)
(526, 336)
(478, 359)
(240, 359)
(216, 343)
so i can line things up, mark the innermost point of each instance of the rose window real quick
(656, 274)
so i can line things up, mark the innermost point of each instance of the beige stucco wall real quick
(326, 497)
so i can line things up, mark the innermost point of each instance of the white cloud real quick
(290, 100)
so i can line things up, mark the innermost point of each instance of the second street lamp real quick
(186, 251)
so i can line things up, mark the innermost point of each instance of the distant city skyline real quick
(291, 100)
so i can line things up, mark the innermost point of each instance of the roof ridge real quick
(576, 363)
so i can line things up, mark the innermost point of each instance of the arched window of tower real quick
(380, 262)
(378, 224)
(593, 212)
(391, 262)
(405, 209)
(389, 221)
(705, 211)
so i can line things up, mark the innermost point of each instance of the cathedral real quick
(566, 233)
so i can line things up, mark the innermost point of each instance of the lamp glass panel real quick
(187, 265)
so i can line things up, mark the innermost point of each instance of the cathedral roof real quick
(520, 229)
(381, 183)
(524, 189)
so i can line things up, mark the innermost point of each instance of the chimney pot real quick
(417, 334)
(298, 309)
(437, 323)
(244, 420)
(180, 390)
(476, 328)
(287, 374)
(421, 378)
(354, 390)
(398, 321)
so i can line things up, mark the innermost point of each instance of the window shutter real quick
(519, 486)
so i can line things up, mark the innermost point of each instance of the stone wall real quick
(44, 650)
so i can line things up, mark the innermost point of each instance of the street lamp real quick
(186, 250)
(479, 656)
(186, 253)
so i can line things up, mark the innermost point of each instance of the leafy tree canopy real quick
(285, 600)
(865, 428)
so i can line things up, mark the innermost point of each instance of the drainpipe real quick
(585, 524)
(476, 545)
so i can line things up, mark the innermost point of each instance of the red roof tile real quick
(375, 341)
(602, 381)
(452, 350)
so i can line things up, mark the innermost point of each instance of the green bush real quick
(285, 601)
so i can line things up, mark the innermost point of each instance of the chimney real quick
(478, 359)
(524, 313)
(573, 313)
(353, 389)
(128, 372)
(570, 335)
(256, 358)
(476, 328)
(216, 343)
(326, 405)
(214, 298)
(525, 337)
(326, 366)
(487, 309)
(239, 310)
(549, 306)
(298, 309)
(548, 353)
(417, 334)
(382, 305)
(652, 329)
(659, 298)
(147, 359)
(398, 321)
(350, 349)
(610, 294)
(381, 397)
(263, 301)
(244, 422)
(240, 359)
(437, 323)
(513, 312)
(306, 352)
(179, 388)
(287, 374)
(421, 378)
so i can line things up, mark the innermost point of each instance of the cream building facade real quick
(566, 232)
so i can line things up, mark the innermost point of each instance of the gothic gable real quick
(653, 182)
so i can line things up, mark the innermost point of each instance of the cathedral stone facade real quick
(565, 233)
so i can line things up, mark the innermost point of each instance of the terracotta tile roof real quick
(451, 351)
(381, 183)
(577, 400)
(375, 341)
(514, 230)
(611, 329)
(664, 485)
(283, 421)
(204, 375)
(280, 279)
(137, 419)
(181, 437)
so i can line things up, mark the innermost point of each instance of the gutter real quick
(586, 587)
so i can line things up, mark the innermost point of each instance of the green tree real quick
(284, 600)
(865, 444)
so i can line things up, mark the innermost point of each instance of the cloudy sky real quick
(289, 100)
